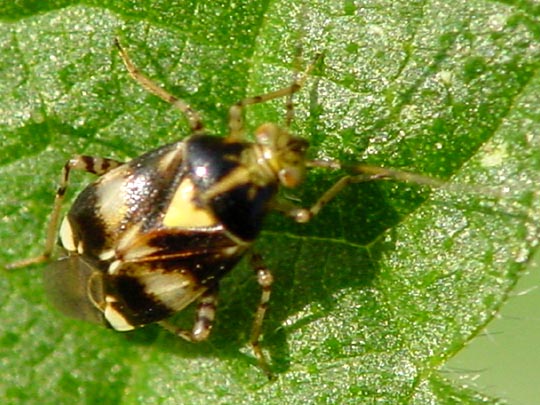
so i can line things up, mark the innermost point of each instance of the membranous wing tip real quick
(75, 287)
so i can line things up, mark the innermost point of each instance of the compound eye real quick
(68, 283)
(291, 176)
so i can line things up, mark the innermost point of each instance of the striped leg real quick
(265, 280)
(89, 164)
(204, 319)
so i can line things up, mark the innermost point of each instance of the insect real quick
(155, 234)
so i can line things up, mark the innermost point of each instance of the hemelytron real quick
(152, 235)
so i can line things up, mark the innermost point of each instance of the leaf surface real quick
(371, 297)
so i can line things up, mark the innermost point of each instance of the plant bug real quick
(155, 234)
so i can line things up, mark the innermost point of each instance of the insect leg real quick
(289, 104)
(204, 319)
(95, 165)
(236, 119)
(359, 174)
(192, 116)
(265, 280)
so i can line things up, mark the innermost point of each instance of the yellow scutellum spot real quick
(182, 212)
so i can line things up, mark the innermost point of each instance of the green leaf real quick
(378, 291)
